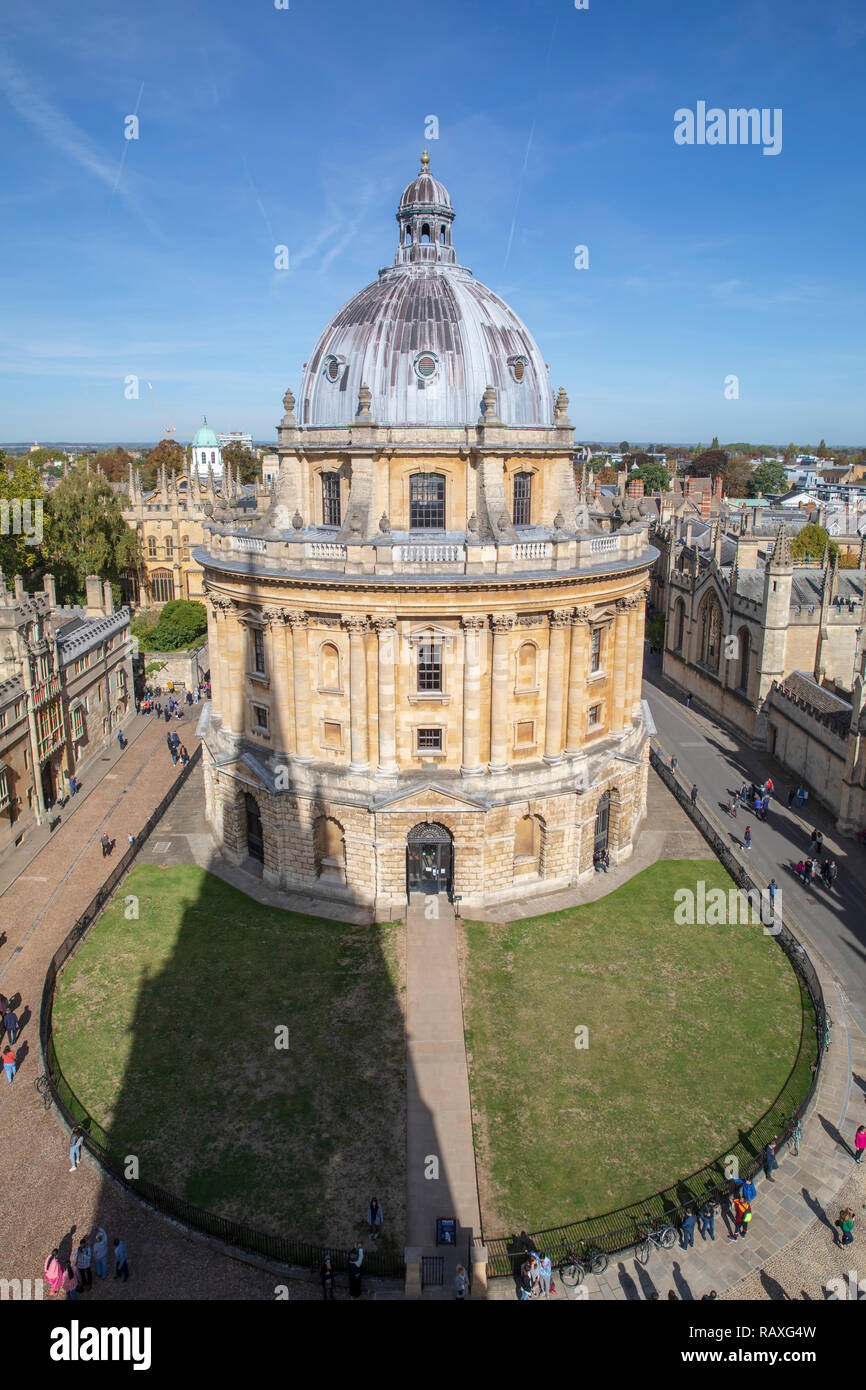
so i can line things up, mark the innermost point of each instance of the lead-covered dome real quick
(427, 338)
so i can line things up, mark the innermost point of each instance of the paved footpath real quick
(43, 1203)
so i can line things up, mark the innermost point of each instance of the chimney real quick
(717, 487)
(108, 600)
(706, 503)
(636, 487)
(19, 587)
(621, 476)
(93, 603)
(48, 585)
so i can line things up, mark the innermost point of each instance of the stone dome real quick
(426, 337)
(204, 437)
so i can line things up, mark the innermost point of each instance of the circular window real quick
(518, 367)
(426, 365)
(332, 368)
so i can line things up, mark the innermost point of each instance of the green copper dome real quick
(205, 437)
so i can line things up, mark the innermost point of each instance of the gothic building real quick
(425, 656)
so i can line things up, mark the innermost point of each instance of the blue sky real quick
(259, 127)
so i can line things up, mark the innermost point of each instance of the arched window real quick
(745, 654)
(331, 511)
(151, 547)
(427, 502)
(679, 624)
(162, 582)
(255, 836)
(527, 666)
(602, 823)
(329, 667)
(169, 547)
(527, 846)
(186, 547)
(522, 503)
(329, 848)
(425, 232)
(441, 236)
(711, 632)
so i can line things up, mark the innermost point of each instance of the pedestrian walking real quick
(121, 740)
(121, 1268)
(356, 1259)
(174, 758)
(76, 1139)
(82, 1260)
(689, 700)
(10, 1063)
(694, 793)
(10, 1023)
(831, 873)
(375, 1217)
(819, 842)
(106, 845)
(765, 806)
(545, 1273)
(845, 1222)
(808, 871)
(100, 1252)
(184, 756)
(69, 1282)
(771, 1163)
(175, 738)
(326, 1275)
(687, 1229)
(170, 741)
(707, 1219)
(747, 838)
(791, 794)
(742, 1217)
(859, 1143)
(130, 839)
(674, 761)
(460, 1282)
(53, 1273)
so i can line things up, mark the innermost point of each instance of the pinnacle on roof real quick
(780, 555)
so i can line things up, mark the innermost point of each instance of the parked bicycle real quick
(576, 1264)
(43, 1087)
(663, 1237)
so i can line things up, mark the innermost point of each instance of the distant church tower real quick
(206, 452)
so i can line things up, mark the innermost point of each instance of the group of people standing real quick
(74, 1275)
(10, 1025)
(176, 749)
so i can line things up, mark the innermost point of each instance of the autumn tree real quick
(242, 461)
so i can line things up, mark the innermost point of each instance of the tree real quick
(39, 458)
(655, 477)
(769, 477)
(607, 475)
(623, 448)
(114, 464)
(23, 523)
(243, 462)
(737, 478)
(88, 534)
(168, 453)
(710, 463)
(823, 451)
(181, 624)
(789, 453)
(811, 542)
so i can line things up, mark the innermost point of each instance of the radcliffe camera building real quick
(425, 656)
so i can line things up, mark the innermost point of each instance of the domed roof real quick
(426, 337)
(204, 437)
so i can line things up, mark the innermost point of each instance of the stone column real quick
(236, 673)
(559, 621)
(578, 671)
(357, 629)
(502, 623)
(472, 641)
(619, 673)
(635, 652)
(387, 635)
(301, 683)
(214, 632)
(277, 665)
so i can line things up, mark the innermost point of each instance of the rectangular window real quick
(429, 740)
(121, 681)
(260, 719)
(4, 786)
(78, 722)
(430, 667)
(594, 716)
(595, 652)
(258, 651)
(332, 734)
(331, 510)
(522, 504)
(427, 502)
(3, 720)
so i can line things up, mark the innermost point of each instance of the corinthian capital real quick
(473, 621)
(296, 618)
(386, 624)
(560, 617)
(581, 615)
(355, 624)
(502, 622)
(273, 616)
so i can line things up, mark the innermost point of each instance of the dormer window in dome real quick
(517, 366)
(334, 368)
(426, 366)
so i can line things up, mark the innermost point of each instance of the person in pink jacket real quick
(69, 1282)
(859, 1143)
(53, 1272)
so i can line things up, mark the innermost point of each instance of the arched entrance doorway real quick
(602, 824)
(429, 859)
(255, 838)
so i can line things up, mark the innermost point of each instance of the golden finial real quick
(425, 162)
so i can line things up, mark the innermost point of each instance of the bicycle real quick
(663, 1237)
(575, 1266)
(43, 1087)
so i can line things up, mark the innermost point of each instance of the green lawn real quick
(165, 1028)
(693, 1032)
